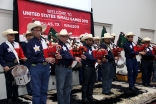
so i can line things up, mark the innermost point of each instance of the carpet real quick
(122, 95)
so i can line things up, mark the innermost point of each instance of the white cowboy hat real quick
(63, 32)
(146, 39)
(9, 31)
(81, 35)
(107, 35)
(36, 24)
(27, 32)
(87, 36)
(96, 38)
(113, 34)
(129, 34)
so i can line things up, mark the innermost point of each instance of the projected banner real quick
(76, 22)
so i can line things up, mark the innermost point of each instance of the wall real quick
(155, 22)
(125, 15)
(6, 4)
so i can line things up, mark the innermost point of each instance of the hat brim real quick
(96, 38)
(25, 34)
(86, 37)
(32, 25)
(146, 40)
(5, 33)
(107, 37)
(129, 35)
(57, 34)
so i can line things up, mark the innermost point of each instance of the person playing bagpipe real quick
(107, 67)
(95, 46)
(63, 69)
(131, 61)
(147, 63)
(88, 70)
(37, 51)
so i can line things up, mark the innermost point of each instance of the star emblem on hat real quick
(36, 48)
(64, 48)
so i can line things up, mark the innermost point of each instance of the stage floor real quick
(122, 95)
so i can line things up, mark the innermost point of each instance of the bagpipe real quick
(53, 48)
(116, 50)
(138, 48)
(117, 53)
(98, 52)
(76, 50)
(143, 47)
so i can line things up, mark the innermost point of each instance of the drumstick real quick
(12, 67)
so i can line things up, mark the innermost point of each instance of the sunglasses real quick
(37, 30)
(64, 36)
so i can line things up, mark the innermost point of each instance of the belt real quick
(131, 58)
(15, 61)
(148, 60)
(88, 66)
(44, 63)
(65, 66)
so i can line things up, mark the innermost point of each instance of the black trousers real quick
(114, 74)
(147, 69)
(89, 74)
(11, 87)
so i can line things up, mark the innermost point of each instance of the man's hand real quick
(50, 60)
(99, 61)
(78, 59)
(106, 54)
(116, 58)
(155, 56)
(58, 56)
(6, 68)
(119, 55)
(142, 53)
(104, 60)
(24, 59)
(83, 57)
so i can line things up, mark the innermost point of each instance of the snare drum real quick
(21, 75)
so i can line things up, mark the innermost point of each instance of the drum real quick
(21, 75)
(120, 63)
(76, 64)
